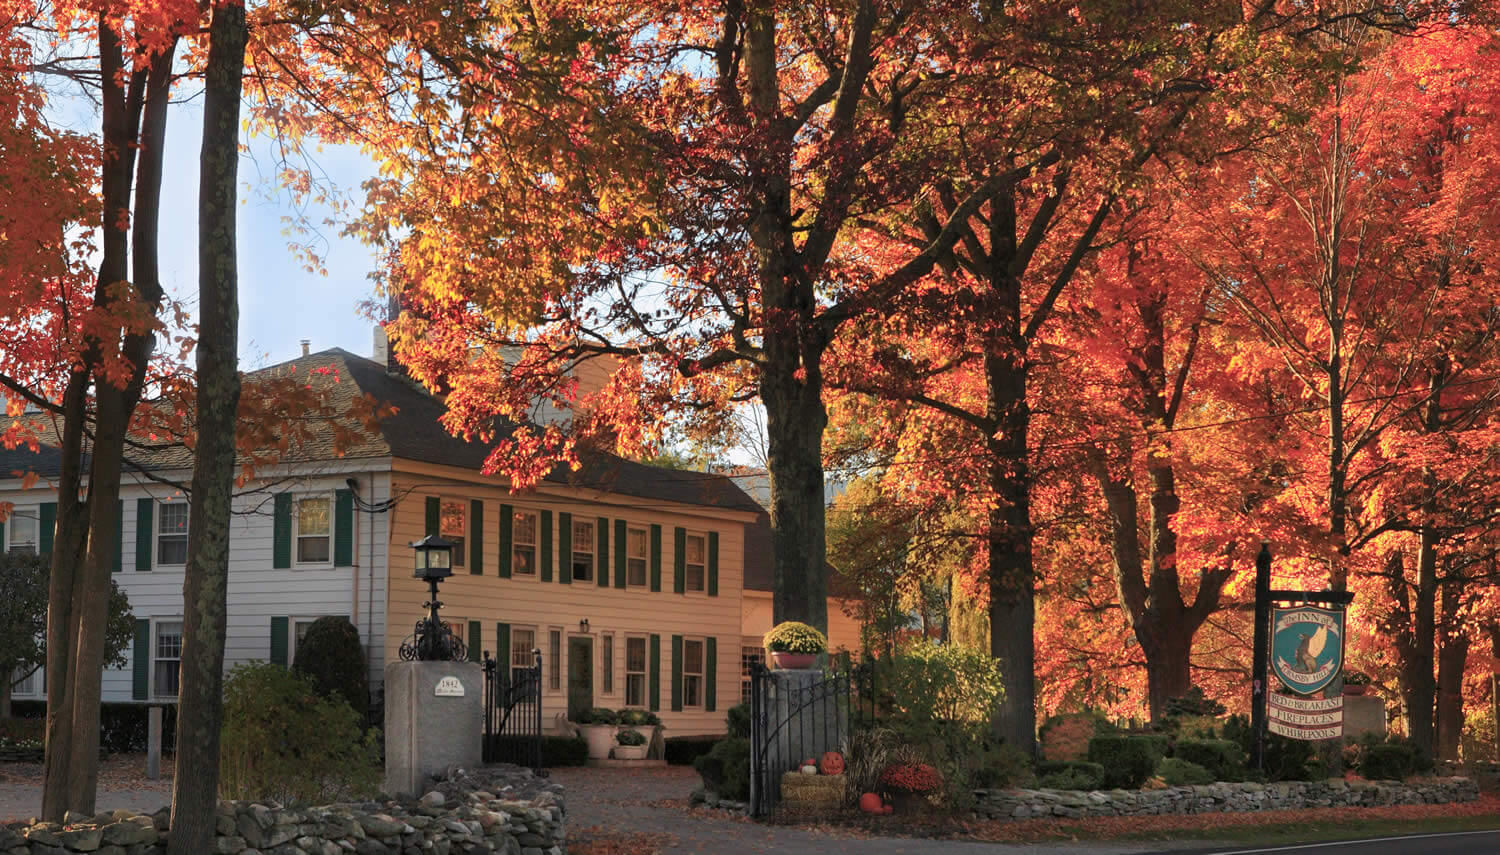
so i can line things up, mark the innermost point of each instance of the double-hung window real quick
(635, 671)
(522, 643)
(695, 563)
(692, 672)
(454, 521)
(172, 535)
(583, 551)
(22, 530)
(635, 557)
(523, 547)
(314, 530)
(166, 661)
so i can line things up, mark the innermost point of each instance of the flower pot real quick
(793, 661)
(600, 737)
(631, 752)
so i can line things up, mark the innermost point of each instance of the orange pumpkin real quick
(888, 810)
(871, 803)
(833, 763)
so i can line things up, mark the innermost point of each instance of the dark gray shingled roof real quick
(414, 433)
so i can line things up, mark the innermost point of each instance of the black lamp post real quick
(432, 640)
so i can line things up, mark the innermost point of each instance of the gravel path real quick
(655, 801)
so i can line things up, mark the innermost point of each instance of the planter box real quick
(631, 752)
(600, 737)
(793, 661)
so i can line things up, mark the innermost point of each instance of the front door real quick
(580, 676)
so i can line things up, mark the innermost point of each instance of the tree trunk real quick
(1418, 687)
(1495, 685)
(1453, 656)
(1012, 582)
(206, 583)
(795, 420)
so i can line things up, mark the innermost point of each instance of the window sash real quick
(171, 534)
(583, 551)
(166, 658)
(635, 690)
(523, 544)
(22, 529)
(635, 672)
(522, 642)
(635, 557)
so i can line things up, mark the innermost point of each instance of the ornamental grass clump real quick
(793, 637)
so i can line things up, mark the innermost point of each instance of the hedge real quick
(1070, 775)
(1128, 761)
(564, 751)
(122, 726)
(683, 750)
(1222, 758)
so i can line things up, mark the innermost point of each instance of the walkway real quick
(654, 801)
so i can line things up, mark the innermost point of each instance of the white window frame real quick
(157, 659)
(592, 552)
(297, 561)
(522, 653)
(607, 663)
(32, 515)
(644, 557)
(157, 534)
(534, 544)
(701, 674)
(749, 653)
(461, 543)
(291, 629)
(644, 673)
(687, 577)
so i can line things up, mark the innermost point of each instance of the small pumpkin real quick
(871, 803)
(888, 810)
(832, 763)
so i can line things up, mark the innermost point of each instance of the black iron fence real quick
(513, 712)
(797, 715)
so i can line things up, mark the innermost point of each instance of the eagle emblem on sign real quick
(1307, 647)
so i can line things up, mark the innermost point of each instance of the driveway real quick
(1454, 843)
(122, 784)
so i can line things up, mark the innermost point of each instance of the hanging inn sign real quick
(1299, 638)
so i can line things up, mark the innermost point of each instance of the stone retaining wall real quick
(500, 810)
(1220, 798)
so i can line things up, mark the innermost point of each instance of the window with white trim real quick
(166, 658)
(21, 530)
(607, 662)
(583, 551)
(635, 557)
(299, 632)
(523, 546)
(696, 563)
(32, 685)
(522, 645)
(635, 671)
(314, 530)
(454, 520)
(750, 656)
(692, 672)
(171, 534)
(554, 665)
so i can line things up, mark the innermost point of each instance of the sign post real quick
(1262, 654)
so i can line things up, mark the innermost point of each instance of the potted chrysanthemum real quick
(794, 645)
(598, 726)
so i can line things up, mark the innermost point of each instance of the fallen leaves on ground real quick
(1039, 830)
(117, 772)
(595, 840)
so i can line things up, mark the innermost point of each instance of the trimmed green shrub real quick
(726, 769)
(1222, 758)
(630, 737)
(1002, 766)
(598, 715)
(1070, 775)
(683, 750)
(1388, 761)
(283, 740)
(739, 721)
(1181, 773)
(1285, 759)
(330, 656)
(564, 751)
(1127, 760)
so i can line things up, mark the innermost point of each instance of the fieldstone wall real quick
(501, 809)
(1219, 798)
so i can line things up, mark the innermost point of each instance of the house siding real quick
(757, 611)
(526, 601)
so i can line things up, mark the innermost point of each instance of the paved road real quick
(1455, 843)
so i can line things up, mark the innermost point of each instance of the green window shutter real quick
(713, 564)
(343, 528)
(507, 533)
(654, 677)
(565, 548)
(143, 532)
(476, 539)
(281, 541)
(710, 674)
(601, 551)
(279, 637)
(619, 553)
(47, 527)
(502, 649)
(434, 514)
(679, 560)
(655, 557)
(119, 537)
(2, 535)
(140, 662)
(476, 640)
(676, 673)
(546, 544)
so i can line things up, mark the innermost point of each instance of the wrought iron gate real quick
(796, 715)
(513, 713)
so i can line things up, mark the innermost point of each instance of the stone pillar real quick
(434, 718)
(808, 717)
(1364, 714)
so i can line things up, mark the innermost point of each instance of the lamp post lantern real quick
(432, 640)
